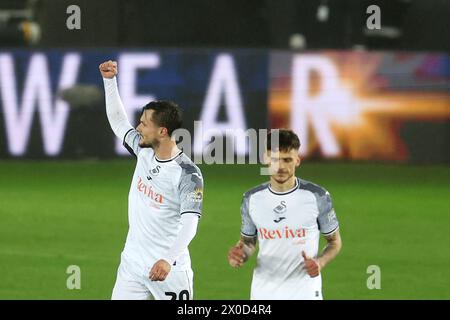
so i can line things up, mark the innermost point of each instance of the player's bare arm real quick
(331, 250)
(242, 251)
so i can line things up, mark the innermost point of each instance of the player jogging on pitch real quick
(164, 202)
(286, 216)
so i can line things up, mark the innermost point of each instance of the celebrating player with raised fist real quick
(164, 201)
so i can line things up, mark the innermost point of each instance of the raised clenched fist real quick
(108, 69)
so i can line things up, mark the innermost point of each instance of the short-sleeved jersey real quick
(161, 191)
(285, 224)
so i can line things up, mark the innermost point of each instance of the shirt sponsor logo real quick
(282, 233)
(148, 191)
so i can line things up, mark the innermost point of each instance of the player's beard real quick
(282, 180)
(151, 144)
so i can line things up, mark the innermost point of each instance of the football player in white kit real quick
(286, 217)
(164, 202)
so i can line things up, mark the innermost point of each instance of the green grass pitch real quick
(55, 214)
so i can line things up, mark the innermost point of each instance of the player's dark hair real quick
(166, 114)
(288, 140)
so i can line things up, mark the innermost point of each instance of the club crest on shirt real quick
(155, 170)
(279, 212)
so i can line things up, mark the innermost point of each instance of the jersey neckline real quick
(168, 160)
(285, 192)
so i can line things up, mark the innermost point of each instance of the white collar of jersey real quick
(285, 192)
(170, 159)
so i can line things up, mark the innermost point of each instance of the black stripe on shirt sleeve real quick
(248, 235)
(330, 232)
(130, 150)
(196, 212)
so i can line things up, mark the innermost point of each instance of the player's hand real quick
(312, 266)
(237, 256)
(108, 69)
(160, 270)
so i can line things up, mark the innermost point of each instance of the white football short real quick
(133, 285)
(296, 288)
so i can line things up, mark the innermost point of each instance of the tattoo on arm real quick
(333, 237)
(331, 250)
(250, 241)
(249, 245)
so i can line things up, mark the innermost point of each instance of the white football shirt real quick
(285, 224)
(161, 191)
